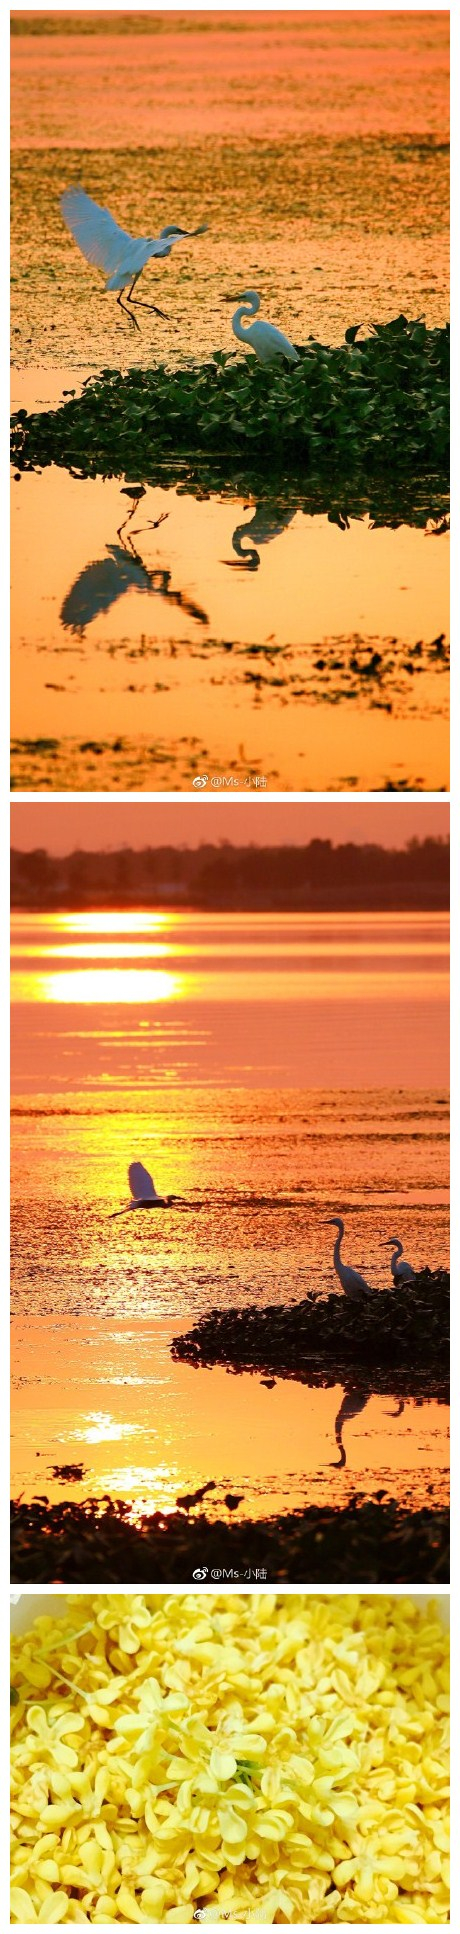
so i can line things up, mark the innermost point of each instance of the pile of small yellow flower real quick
(256, 1758)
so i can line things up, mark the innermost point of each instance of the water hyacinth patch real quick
(137, 1716)
(379, 402)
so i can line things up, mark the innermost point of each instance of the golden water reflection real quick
(278, 1447)
(232, 958)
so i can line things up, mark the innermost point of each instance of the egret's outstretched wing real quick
(140, 1182)
(97, 234)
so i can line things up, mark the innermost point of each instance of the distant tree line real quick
(264, 877)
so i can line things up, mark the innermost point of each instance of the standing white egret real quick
(402, 1272)
(352, 1283)
(267, 342)
(109, 247)
(143, 1191)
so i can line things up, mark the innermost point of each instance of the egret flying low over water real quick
(267, 342)
(109, 247)
(143, 1191)
(352, 1283)
(401, 1271)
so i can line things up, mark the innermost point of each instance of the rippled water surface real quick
(272, 1073)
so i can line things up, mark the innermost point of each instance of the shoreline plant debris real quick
(97, 1542)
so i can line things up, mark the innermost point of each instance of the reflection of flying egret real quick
(143, 1191)
(402, 1272)
(268, 521)
(108, 247)
(352, 1403)
(352, 1283)
(267, 342)
(99, 586)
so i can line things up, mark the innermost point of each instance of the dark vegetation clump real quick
(375, 1540)
(398, 1339)
(381, 403)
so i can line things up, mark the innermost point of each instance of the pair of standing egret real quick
(123, 258)
(144, 1196)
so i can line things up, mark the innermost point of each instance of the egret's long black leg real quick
(152, 306)
(126, 312)
(144, 305)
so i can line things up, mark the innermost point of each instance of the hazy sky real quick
(112, 823)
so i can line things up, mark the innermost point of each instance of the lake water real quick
(315, 145)
(272, 1072)
(248, 641)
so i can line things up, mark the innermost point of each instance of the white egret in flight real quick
(143, 1192)
(352, 1283)
(269, 343)
(109, 247)
(402, 1272)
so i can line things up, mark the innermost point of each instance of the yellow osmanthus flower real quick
(257, 1758)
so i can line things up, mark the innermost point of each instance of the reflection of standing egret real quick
(100, 585)
(267, 522)
(402, 1272)
(354, 1401)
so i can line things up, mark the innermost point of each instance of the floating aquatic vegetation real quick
(382, 402)
(402, 1330)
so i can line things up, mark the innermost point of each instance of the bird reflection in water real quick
(101, 584)
(268, 521)
(353, 1401)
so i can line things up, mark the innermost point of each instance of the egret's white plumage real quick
(109, 247)
(143, 1191)
(402, 1272)
(267, 342)
(352, 1283)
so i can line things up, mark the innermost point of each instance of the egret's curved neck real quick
(397, 1251)
(246, 309)
(337, 1243)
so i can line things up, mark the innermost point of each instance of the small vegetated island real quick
(347, 428)
(398, 1346)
